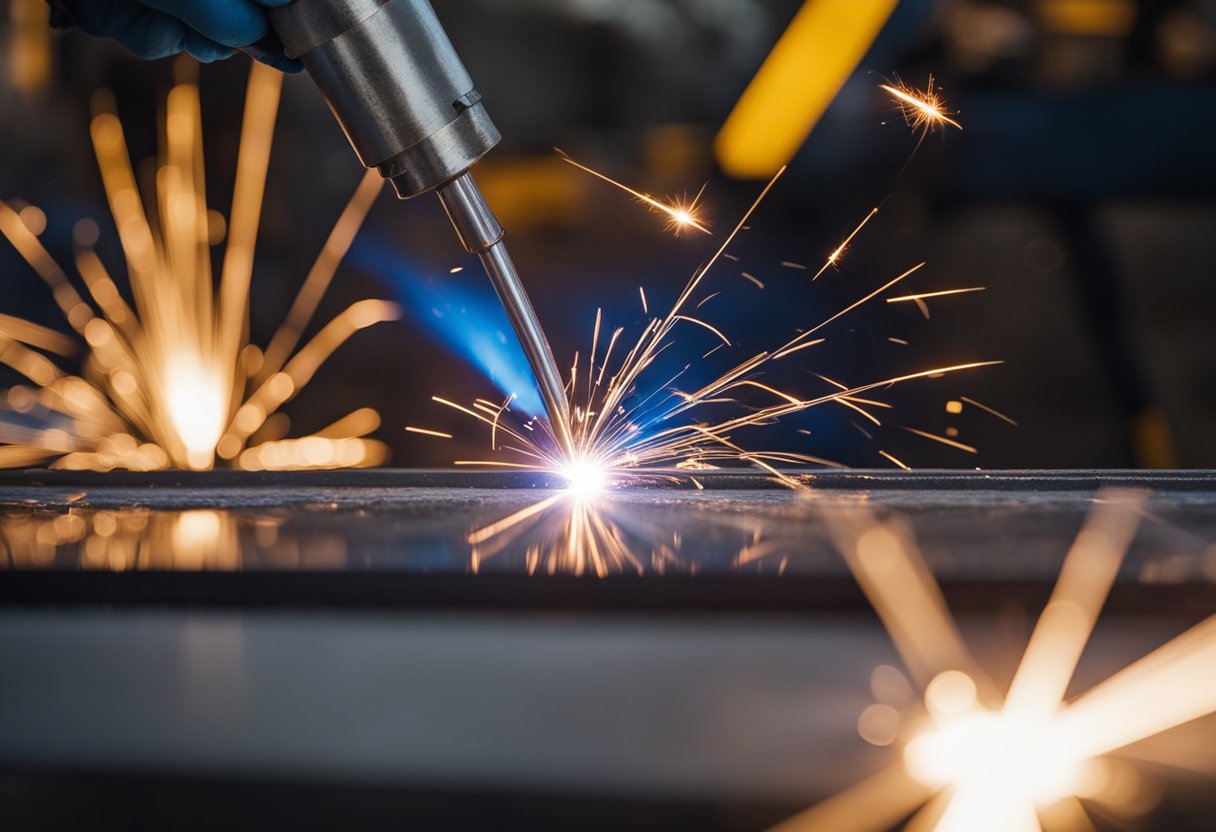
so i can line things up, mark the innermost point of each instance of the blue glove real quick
(207, 29)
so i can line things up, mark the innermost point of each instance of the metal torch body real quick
(396, 85)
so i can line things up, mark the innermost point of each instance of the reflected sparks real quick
(566, 534)
(583, 530)
(168, 377)
(962, 756)
(150, 540)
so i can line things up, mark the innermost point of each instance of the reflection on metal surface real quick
(739, 523)
(971, 759)
(576, 532)
(591, 528)
(565, 533)
(152, 541)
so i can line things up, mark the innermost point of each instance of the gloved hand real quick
(207, 29)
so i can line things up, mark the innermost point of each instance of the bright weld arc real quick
(621, 432)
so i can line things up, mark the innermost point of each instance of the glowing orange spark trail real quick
(942, 294)
(680, 215)
(898, 463)
(494, 529)
(172, 380)
(619, 429)
(959, 445)
(835, 256)
(924, 109)
(425, 432)
(989, 410)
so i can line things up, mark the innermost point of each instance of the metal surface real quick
(701, 708)
(395, 83)
(481, 234)
(322, 639)
(472, 218)
(991, 531)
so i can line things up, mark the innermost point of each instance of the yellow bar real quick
(1087, 18)
(30, 55)
(801, 76)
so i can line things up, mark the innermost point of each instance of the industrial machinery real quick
(410, 109)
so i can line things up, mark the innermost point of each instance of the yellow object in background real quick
(30, 48)
(1152, 441)
(801, 76)
(1087, 18)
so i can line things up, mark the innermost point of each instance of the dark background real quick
(1080, 194)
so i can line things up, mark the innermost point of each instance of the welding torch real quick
(396, 85)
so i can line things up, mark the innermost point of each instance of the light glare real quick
(197, 408)
(173, 381)
(585, 479)
(1000, 754)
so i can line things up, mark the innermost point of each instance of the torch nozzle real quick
(482, 235)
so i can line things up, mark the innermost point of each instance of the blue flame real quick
(466, 316)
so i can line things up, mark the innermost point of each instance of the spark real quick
(898, 463)
(134, 539)
(576, 535)
(835, 256)
(927, 295)
(426, 432)
(171, 380)
(969, 764)
(989, 410)
(959, 445)
(585, 531)
(805, 345)
(923, 110)
(625, 425)
(681, 214)
(619, 430)
(585, 479)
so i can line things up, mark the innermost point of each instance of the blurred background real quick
(1080, 194)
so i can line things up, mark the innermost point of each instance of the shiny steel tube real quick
(396, 85)
(482, 235)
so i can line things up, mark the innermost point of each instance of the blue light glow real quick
(463, 311)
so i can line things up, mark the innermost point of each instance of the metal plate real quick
(322, 647)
